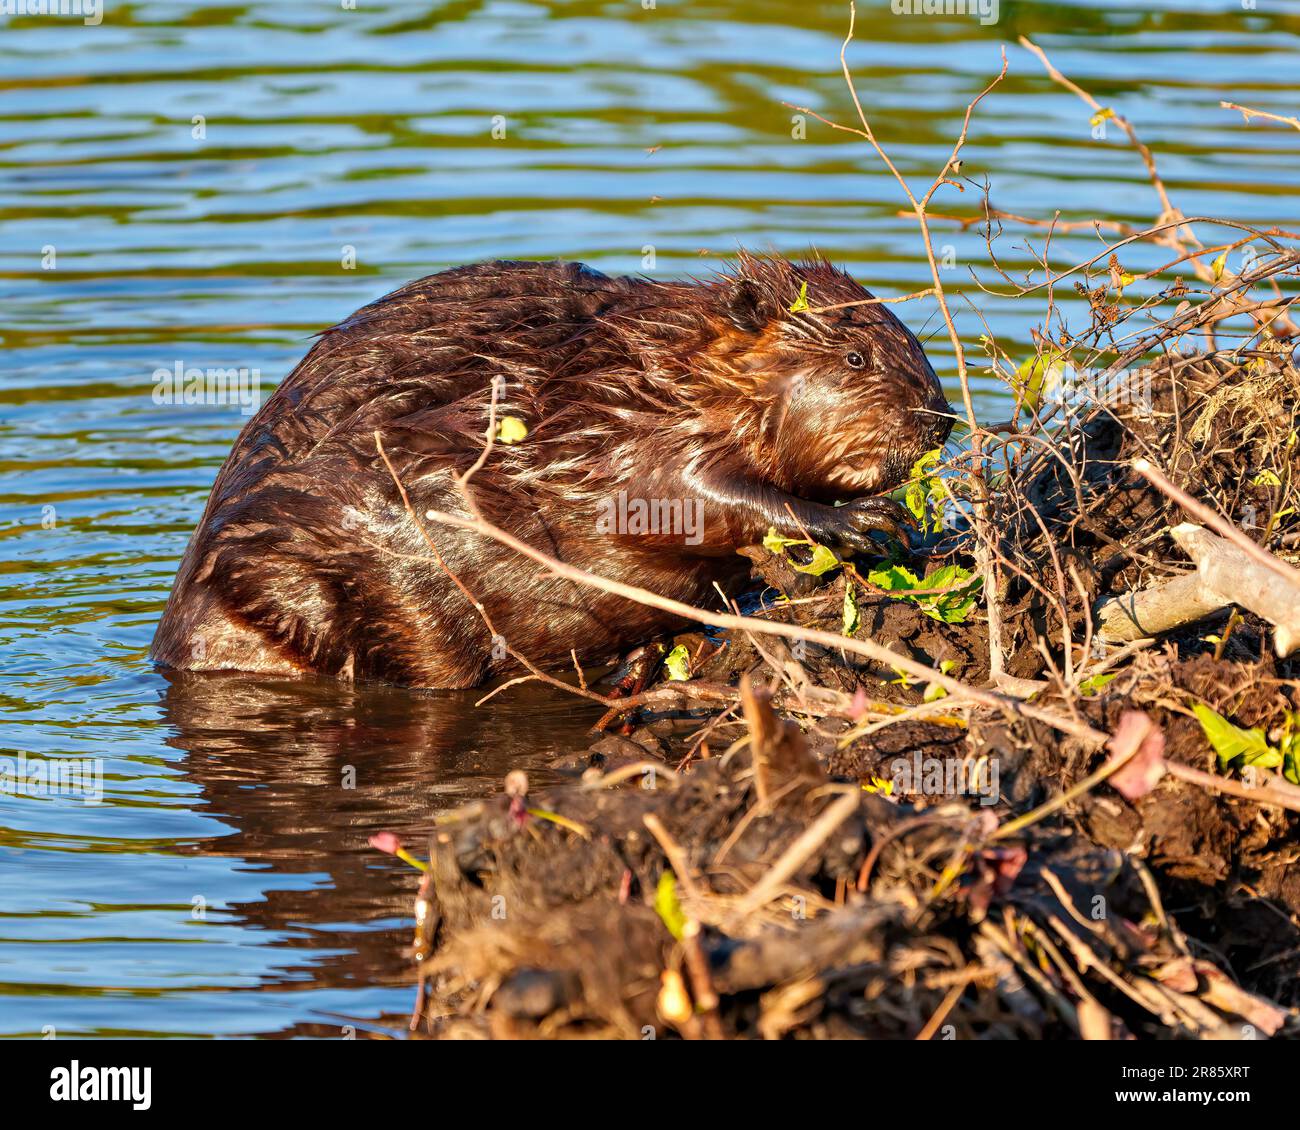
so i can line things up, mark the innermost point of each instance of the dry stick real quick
(1182, 224)
(1214, 520)
(673, 850)
(1145, 236)
(1275, 791)
(1139, 613)
(980, 513)
(1147, 159)
(489, 438)
(1223, 568)
(1085, 999)
(1007, 944)
(871, 301)
(866, 648)
(991, 213)
(799, 852)
(941, 1013)
(1247, 113)
(697, 968)
(477, 604)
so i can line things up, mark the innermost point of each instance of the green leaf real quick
(678, 663)
(923, 487)
(852, 620)
(1291, 767)
(922, 467)
(1093, 685)
(667, 906)
(914, 499)
(933, 691)
(1235, 746)
(951, 607)
(800, 304)
(1291, 747)
(894, 578)
(776, 543)
(1036, 374)
(823, 561)
(1266, 479)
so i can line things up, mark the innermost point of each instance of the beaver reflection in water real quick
(711, 400)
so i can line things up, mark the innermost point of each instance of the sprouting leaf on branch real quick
(510, 429)
(1104, 114)
(1042, 373)
(934, 691)
(1095, 683)
(800, 304)
(1120, 278)
(903, 679)
(851, 621)
(925, 491)
(678, 664)
(667, 905)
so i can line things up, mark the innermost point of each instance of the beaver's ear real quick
(748, 306)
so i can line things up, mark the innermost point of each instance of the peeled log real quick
(1141, 613)
(1225, 574)
(1226, 569)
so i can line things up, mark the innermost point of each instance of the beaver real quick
(668, 423)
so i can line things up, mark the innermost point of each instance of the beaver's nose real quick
(938, 417)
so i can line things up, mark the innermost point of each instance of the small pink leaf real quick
(858, 707)
(386, 842)
(1145, 767)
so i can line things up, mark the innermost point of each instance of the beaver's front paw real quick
(851, 524)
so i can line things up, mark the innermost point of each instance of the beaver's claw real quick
(852, 523)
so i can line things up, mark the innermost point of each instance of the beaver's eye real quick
(855, 360)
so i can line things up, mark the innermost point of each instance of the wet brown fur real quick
(306, 561)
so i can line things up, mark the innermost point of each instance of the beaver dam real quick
(1037, 775)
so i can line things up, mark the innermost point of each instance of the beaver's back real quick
(288, 566)
(426, 344)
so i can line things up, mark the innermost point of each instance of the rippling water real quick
(209, 185)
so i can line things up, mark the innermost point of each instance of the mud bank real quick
(775, 838)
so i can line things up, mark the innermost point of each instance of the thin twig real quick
(1212, 518)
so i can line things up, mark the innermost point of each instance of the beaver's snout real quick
(938, 415)
(934, 419)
